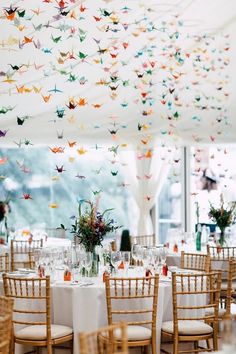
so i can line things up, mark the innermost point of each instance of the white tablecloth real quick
(84, 308)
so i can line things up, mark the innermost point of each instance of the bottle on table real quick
(204, 235)
(198, 238)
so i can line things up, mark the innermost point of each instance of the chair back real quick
(221, 252)
(103, 340)
(132, 300)
(32, 304)
(22, 253)
(4, 263)
(195, 261)
(58, 232)
(5, 324)
(144, 240)
(204, 285)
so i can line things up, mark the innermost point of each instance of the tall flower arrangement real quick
(223, 216)
(91, 226)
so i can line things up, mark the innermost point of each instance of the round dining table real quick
(82, 306)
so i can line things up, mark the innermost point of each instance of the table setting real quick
(84, 301)
(78, 270)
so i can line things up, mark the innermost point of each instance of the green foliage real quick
(223, 216)
(91, 226)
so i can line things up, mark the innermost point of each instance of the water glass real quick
(146, 257)
(163, 255)
(116, 259)
(76, 259)
(136, 253)
(126, 260)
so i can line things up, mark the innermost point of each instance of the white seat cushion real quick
(38, 332)
(188, 328)
(135, 333)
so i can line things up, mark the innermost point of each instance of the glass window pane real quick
(169, 203)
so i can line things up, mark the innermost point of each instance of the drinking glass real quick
(136, 252)
(126, 260)
(115, 259)
(146, 257)
(76, 258)
(163, 255)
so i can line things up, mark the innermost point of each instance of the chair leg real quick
(154, 346)
(12, 346)
(72, 347)
(195, 345)
(175, 346)
(208, 344)
(49, 349)
(215, 340)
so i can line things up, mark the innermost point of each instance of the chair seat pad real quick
(224, 285)
(134, 333)
(38, 332)
(188, 328)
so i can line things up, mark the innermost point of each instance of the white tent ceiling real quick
(117, 71)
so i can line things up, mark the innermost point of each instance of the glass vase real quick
(222, 237)
(95, 265)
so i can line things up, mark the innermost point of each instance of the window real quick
(212, 174)
(45, 187)
(169, 202)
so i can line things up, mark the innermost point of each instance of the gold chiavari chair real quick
(136, 298)
(22, 253)
(94, 343)
(144, 240)
(233, 277)
(228, 286)
(221, 252)
(32, 310)
(195, 261)
(58, 232)
(4, 263)
(192, 323)
(5, 324)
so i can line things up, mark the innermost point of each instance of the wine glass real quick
(163, 255)
(126, 260)
(146, 257)
(136, 252)
(115, 259)
(155, 257)
(76, 258)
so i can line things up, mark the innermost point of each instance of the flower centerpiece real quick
(223, 216)
(91, 226)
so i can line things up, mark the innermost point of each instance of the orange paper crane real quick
(58, 149)
(46, 98)
(71, 143)
(27, 40)
(82, 102)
